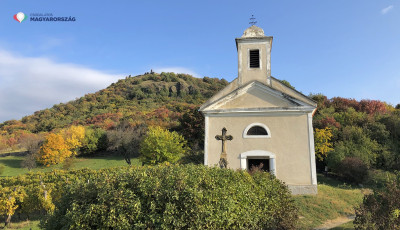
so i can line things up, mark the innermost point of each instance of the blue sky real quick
(338, 48)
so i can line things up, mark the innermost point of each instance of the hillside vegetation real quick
(359, 141)
(351, 137)
(150, 97)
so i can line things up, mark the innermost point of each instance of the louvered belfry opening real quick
(254, 58)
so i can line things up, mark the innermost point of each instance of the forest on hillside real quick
(145, 98)
(351, 137)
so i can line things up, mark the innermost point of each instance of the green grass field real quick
(335, 199)
(24, 225)
(12, 164)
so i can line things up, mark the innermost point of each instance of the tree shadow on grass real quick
(335, 182)
(11, 163)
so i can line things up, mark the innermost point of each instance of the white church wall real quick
(289, 143)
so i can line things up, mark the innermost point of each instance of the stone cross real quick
(223, 163)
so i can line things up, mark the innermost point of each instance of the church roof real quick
(294, 97)
(255, 89)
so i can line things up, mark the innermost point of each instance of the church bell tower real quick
(254, 56)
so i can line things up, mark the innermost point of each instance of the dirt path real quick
(334, 223)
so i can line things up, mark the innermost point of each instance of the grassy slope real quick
(13, 164)
(24, 225)
(334, 199)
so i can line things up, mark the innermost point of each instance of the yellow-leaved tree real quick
(59, 146)
(74, 137)
(54, 150)
(9, 199)
(323, 144)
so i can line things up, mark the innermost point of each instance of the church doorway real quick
(262, 163)
(256, 157)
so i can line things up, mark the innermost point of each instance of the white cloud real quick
(387, 9)
(176, 70)
(28, 84)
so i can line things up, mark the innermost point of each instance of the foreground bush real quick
(380, 210)
(174, 197)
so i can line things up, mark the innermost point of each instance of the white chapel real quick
(258, 121)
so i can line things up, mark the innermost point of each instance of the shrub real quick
(381, 209)
(161, 145)
(95, 140)
(195, 156)
(353, 170)
(68, 163)
(379, 178)
(175, 197)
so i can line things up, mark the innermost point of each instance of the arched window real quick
(256, 130)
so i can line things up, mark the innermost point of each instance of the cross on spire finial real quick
(252, 20)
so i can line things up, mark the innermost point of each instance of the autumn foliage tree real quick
(74, 137)
(323, 143)
(9, 199)
(54, 150)
(59, 146)
(3, 143)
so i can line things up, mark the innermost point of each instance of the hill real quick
(351, 137)
(136, 99)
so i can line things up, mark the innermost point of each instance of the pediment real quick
(256, 98)
(255, 95)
